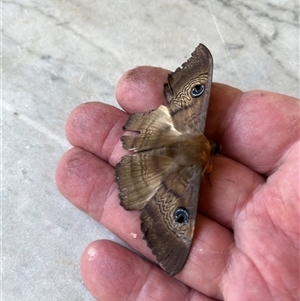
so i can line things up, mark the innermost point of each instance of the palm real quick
(264, 262)
(247, 231)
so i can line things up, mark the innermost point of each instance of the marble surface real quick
(58, 54)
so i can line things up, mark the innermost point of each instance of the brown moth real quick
(162, 177)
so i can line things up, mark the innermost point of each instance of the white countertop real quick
(58, 54)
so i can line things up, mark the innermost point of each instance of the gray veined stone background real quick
(58, 54)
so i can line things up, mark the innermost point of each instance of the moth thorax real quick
(194, 149)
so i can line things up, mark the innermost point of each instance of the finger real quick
(90, 185)
(141, 89)
(112, 272)
(97, 127)
(255, 128)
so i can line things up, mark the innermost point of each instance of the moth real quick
(170, 154)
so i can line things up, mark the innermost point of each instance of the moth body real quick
(190, 149)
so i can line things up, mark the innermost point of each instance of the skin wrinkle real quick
(257, 184)
(215, 190)
(288, 231)
(279, 289)
(70, 167)
(240, 206)
(151, 273)
(225, 270)
(107, 141)
(77, 122)
(194, 295)
(141, 292)
(250, 193)
(279, 196)
(89, 205)
(75, 164)
(226, 123)
(249, 261)
(152, 268)
(112, 158)
(227, 267)
(288, 151)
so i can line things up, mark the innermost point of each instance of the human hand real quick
(246, 240)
